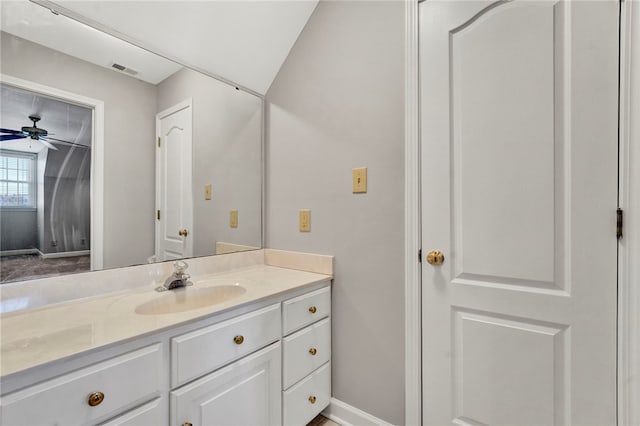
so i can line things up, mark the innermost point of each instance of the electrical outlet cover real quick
(233, 218)
(305, 220)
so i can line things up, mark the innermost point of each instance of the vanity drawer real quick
(152, 413)
(124, 381)
(305, 351)
(202, 351)
(305, 309)
(308, 398)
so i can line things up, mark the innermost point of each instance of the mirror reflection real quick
(112, 156)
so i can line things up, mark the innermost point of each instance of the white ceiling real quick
(37, 24)
(244, 41)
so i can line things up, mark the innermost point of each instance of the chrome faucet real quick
(178, 278)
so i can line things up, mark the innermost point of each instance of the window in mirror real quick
(17, 179)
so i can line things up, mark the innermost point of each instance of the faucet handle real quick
(180, 266)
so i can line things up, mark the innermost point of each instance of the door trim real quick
(412, 266)
(629, 201)
(97, 157)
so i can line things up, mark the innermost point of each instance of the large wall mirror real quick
(113, 156)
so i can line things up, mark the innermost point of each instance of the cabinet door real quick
(246, 392)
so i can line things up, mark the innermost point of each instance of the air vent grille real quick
(122, 68)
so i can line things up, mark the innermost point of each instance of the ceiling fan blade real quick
(63, 142)
(12, 132)
(47, 144)
(11, 137)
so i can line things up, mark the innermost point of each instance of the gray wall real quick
(338, 103)
(227, 126)
(129, 160)
(18, 230)
(67, 201)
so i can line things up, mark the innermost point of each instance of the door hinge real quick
(158, 141)
(158, 215)
(619, 223)
(420, 256)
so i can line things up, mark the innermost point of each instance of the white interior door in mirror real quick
(174, 198)
(519, 166)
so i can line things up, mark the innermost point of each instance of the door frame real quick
(187, 103)
(629, 201)
(412, 231)
(97, 156)
(629, 247)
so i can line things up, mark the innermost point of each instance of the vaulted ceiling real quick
(245, 42)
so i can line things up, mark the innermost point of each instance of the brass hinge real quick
(420, 256)
(619, 223)
(158, 141)
(158, 215)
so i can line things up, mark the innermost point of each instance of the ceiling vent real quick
(124, 69)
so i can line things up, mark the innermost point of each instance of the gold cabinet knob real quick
(238, 339)
(435, 257)
(312, 399)
(183, 232)
(313, 309)
(186, 424)
(313, 351)
(95, 398)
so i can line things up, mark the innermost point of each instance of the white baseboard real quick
(18, 252)
(346, 415)
(64, 254)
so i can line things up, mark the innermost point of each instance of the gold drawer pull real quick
(312, 399)
(186, 424)
(313, 309)
(313, 351)
(95, 398)
(238, 340)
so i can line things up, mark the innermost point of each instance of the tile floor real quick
(320, 420)
(30, 266)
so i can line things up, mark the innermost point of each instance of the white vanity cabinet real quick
(247, 392)
(90, 394)
(306, 360)
(265, 363)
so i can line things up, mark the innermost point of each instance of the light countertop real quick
(37, 336)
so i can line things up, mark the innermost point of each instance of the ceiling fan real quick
(34, 132)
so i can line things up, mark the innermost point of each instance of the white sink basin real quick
(188, 298)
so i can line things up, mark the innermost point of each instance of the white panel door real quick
(519, 166)
(174, 198)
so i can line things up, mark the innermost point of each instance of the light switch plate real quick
(207, 191)
(359, 180)
(305, 220)
(233, 218)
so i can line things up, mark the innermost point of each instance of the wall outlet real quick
(359, 180)
(233, 218)
(305, 220)
(207, 191)
(54, 243)
(83, 241)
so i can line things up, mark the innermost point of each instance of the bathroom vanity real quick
(256, 356)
